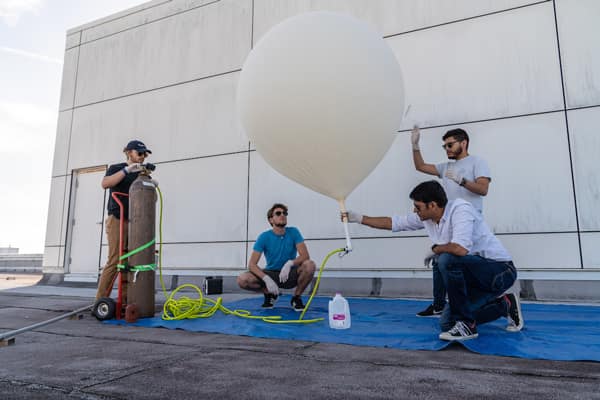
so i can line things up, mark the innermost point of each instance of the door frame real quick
(75, 173)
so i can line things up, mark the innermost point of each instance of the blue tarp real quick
(552, 332)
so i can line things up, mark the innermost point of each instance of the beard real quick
(280, 225)
(454, 154)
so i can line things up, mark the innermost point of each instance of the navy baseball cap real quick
(137, 146)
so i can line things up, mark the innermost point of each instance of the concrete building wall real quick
(522, 77)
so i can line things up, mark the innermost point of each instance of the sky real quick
(32, 46)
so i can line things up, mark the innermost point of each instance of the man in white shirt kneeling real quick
(475, 267)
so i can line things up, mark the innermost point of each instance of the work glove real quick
(353, 216)
(285, 271)
(415, 135)
(431, 256)
(271, 285)
(454, 175)
(131, 168)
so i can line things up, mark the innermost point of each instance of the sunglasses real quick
(142, 153)
(420, 208)
(449, 145)
(279, 213)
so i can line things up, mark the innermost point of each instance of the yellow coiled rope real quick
(204, 307)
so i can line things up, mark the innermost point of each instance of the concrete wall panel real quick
(381, 254)
(204, 199)
(192, 120)
(387, 16)
(580, 50)
(585, 144)
(137, 16)
(56, 208)
(495, 66)
(202, 42)
(589, 249)
(543, 251)
(50, 262)
(61, 146)
(207, 256)
(531, 188)
(69, 77)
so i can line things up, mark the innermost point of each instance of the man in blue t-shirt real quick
(288, 262)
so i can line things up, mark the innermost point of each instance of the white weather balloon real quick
(321, 97)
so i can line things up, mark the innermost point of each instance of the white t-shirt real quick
(471, 168)
(460, 224)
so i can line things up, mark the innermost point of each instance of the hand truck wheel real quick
(104, 308)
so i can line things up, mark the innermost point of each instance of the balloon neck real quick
(348, 247)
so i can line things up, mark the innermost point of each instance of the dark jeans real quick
(439, 281)
(473, 284)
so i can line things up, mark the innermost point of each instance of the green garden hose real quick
(188, 308)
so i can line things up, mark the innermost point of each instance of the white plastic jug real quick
(339, 313)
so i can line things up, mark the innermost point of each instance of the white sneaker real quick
(515, 315)
(461, 331)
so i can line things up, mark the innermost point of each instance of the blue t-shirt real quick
(278, 248)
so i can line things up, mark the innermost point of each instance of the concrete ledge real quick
(542, 290)
(414, 287)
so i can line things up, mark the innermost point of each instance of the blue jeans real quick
(473, 284)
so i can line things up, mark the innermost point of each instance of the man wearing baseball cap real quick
(119, 178)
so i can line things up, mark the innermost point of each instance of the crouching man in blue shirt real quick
(475, 267)
(288, 262)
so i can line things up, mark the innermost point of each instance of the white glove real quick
(135, 167)
(353, 217)
(271, 285)
(415, 135)
(453, 175)
(154, 181)
(428, 259)
(285, 271)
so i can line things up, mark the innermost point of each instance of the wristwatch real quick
(463, 182)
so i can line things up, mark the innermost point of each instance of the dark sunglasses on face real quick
(142, 153)
(278, 213)
(420, 208)
(449, 145)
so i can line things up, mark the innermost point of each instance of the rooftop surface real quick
(82, 358)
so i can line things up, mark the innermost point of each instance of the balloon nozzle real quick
(347, 250)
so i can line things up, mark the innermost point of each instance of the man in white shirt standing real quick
(477, 269)
(464, 177)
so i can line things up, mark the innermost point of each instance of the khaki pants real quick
(110, 269)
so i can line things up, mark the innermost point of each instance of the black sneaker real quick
(430, 311)
(515, 316)
(270, 300)
(460, 331)
(297, 303)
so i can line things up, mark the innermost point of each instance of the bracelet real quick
(433, 247)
